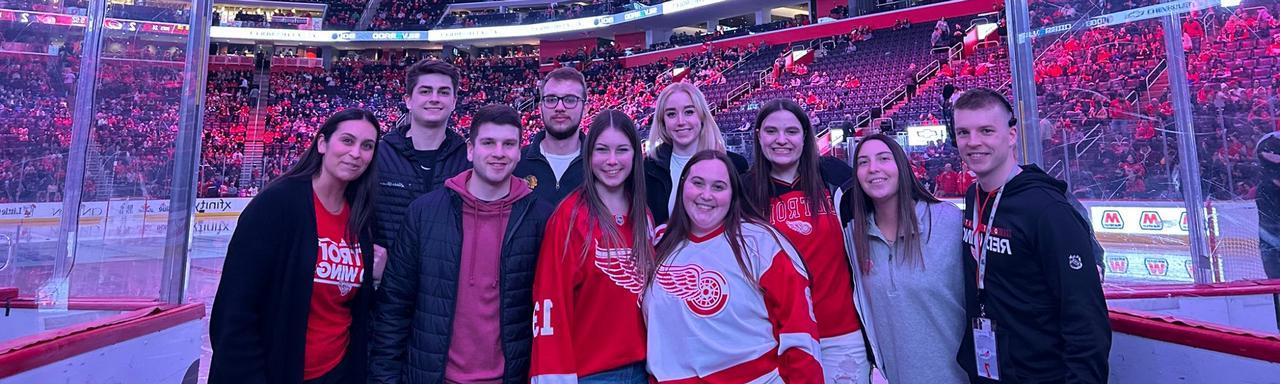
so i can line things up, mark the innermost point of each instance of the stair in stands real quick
(97, 172)
(927, 84)
(253, 146)
(366, 16)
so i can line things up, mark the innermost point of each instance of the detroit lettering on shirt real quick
(339, 273)
(339, 264)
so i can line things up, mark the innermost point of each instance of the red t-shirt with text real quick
(338, 276)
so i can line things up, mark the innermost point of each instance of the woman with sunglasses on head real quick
(794, 186)
(906, 250)
(294, 302)
(596, 252)
(729, 300)
(682, 125)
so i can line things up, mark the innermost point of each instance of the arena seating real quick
(881, 64)
(408, 14)
(1103, 106)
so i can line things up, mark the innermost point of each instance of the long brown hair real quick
(360, 192)
(741, 210)
(808, 177)
(908, 223)
(641, 243)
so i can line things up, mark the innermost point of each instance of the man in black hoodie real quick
(552, 163)
(417, 156)
(1032, 292)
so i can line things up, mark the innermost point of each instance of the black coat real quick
(536, 170)
(413, 321)
(401, 181)
(258, 327)
(657, 177)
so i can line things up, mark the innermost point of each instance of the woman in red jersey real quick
(587, 326)
(794, 187)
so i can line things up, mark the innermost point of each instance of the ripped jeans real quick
(844, 359)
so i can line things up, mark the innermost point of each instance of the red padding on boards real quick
(27, 353)
(1207, 336)
(1235, 288)
(95, 303)
(8, 293)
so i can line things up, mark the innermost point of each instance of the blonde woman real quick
(682, 125)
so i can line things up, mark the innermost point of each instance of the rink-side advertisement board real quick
(1148, 240)
(91, 211)
(1143, 240)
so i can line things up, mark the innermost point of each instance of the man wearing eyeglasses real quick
(552, 162)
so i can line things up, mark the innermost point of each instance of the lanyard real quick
(986, 231)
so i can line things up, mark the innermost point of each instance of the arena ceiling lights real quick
(459, 34)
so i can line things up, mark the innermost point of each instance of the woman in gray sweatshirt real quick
(905, 253)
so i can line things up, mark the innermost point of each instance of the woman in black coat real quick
(682, 125)
(297, 284)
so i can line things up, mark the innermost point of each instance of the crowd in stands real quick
(407, 15)
(299, 101)
(553, 12)
(137, 120)
(267, 17)
(1106, 114)
(344, 14)
(139, 49)
(34, 129)
(228, 108)
(12, 40)
(1107, 120)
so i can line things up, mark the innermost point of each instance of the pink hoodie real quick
(475, 350)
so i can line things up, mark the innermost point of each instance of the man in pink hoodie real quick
(456, 298)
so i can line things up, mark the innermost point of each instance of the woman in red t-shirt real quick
(598, 247)
(294, 303)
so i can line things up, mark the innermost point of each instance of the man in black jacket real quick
(417, 157)
(552, 163)
(456, 299)
(1032, 292)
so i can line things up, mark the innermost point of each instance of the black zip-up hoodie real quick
(536, 170)
(1042, 288)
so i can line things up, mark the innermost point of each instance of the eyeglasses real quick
(569, 101)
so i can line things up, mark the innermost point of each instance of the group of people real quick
(418, 255)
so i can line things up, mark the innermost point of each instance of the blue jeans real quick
(628, 374)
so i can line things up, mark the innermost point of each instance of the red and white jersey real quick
(586, 307)
(710, 323)
(816, 234)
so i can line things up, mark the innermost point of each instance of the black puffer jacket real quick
(413, 321)
(401, 179)
(657, 177)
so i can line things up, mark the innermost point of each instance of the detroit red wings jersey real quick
(710, 323)
(586, 306)
(816, 234)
